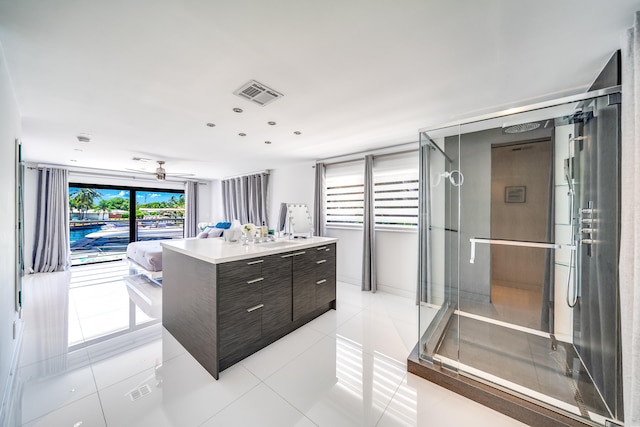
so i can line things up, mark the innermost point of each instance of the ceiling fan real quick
(160, 172)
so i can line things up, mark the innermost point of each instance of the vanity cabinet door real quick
(304, 283)
(240, 306)
(325, 274)
(240, 330)
(276, 294)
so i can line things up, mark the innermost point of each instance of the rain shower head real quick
(522, 127)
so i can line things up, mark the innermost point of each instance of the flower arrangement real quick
(249, 229)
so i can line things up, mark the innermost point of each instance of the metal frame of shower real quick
(527, 108)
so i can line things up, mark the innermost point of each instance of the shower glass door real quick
(438, 245)
(519, 251)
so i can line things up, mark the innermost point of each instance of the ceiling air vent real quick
(257, 92)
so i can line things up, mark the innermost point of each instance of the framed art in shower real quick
(515, 194)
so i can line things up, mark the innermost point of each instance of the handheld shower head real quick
(567, 175)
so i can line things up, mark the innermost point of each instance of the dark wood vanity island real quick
(225, 301)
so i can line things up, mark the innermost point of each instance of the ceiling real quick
(144, 78)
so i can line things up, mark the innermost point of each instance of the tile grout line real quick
(395, 393)
(95, 383)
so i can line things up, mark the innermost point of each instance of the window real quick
(395, 186)
(344, 194)
(395, 179)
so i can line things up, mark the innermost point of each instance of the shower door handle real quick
(520, 243)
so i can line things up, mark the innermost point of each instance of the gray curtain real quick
(369, 249)
(52, 251)
(630, 226)
(245, 198)
(318, 200)
(232, 189)
(191, 209)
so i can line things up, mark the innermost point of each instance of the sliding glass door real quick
(103, 220)
(159, 215)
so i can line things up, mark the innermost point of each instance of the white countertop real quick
(217, 251)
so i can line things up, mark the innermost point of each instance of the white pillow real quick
(202, 235)
(214, 232)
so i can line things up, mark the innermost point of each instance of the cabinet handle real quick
(259, 279)
(255, 262)
(320, 282)
(254, 308)
(295, 254)
(321, 248)
(322, 261)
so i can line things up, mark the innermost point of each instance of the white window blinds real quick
(344, 193)
(395, 179)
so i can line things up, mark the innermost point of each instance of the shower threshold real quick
(522, 373)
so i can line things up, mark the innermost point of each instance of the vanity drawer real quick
(240, 271)
(326, 251)
(325, 290)
(234, 296)
(325, 266)
(325, 275)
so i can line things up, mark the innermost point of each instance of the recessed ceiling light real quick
(83, 137)
(211, 124)
(267, 142)
(271, 123)
(297, 132)
(242, 134)
(237, 110)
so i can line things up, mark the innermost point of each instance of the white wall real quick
(215, 209)
(397, 262)
(290, 184)
(396, 259)
(349, 260)
(9, 131)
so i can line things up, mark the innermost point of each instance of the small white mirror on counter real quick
(295, 220)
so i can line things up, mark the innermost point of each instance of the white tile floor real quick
(346, 368)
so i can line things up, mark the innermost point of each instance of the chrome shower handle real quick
(522, 243)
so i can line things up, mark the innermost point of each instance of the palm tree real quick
(83, 199)
(104, 206)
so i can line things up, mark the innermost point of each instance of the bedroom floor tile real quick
(348, 367)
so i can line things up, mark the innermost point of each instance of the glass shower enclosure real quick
(519, 238)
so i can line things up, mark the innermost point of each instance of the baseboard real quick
(349, 280)
(397, 291)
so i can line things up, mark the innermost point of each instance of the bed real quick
(145, 257)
